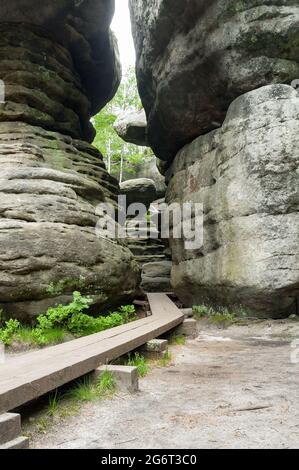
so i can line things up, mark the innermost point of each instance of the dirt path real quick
(233, 388)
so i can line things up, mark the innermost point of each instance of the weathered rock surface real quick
(50, 186)
(141, 190)
(246, 174)
(65, 52)
(149, 169)
(156, 276)
(59, 66)
(132, 128)
(195, 57)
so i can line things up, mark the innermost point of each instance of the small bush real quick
(8, 331)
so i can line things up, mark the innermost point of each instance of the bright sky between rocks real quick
(121, 26)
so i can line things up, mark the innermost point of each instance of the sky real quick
(121, 26)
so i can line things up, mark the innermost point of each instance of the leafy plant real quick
(53, 326)
(220, 316)
(8, 331)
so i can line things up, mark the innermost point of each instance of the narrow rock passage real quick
(232, 388)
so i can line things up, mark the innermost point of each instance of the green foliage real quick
(221, 316)
(140, 362)
(180, 340)
(8, 331)
(119, 156)
(106, 384)
(84, 390)
(87, 390)
(53, 326)
(166, 359)
(54, 399)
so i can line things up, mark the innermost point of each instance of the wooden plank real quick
(27, 377)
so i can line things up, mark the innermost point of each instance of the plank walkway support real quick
(32, 375)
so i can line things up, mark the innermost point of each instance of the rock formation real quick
(195, 57)
(149, 169)
(132, 128)
(141, 190)
(59, 65)
(213, 78)
(246, 176)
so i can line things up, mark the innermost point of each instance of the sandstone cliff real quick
(58, 60)
(214, 81)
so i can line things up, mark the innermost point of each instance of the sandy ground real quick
(232, 388)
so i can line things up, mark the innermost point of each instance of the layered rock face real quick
(195, 57)
(59, 66)
(246, 176)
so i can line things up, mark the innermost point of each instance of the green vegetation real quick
(62, 405)
(90, 390)
(179, 340)
(64, 321)
(84, 390)
(139, 361)
(120, 157)
(166, 359)
(106, 384)
(221, 316)
(8, 331)
(53, 403)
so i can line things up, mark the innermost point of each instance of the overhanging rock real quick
(59, 64)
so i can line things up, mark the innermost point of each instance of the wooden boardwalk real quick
(31, 375)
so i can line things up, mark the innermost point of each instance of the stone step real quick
(126, 377)
(144, 241)
(150, 258)
(138, 250)
(158, 284)
(10, 427)
(18, 443)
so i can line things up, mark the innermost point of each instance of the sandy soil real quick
(232, 388)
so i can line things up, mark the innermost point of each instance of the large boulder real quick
(132, 128)
(195, 57)
(59, 65)
(149, 169)
(140, 190)
(246, 175)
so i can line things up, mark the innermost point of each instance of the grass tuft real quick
(166, 359)
(54, 400)
(84, 390)
(106, 384)
(140, 362)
